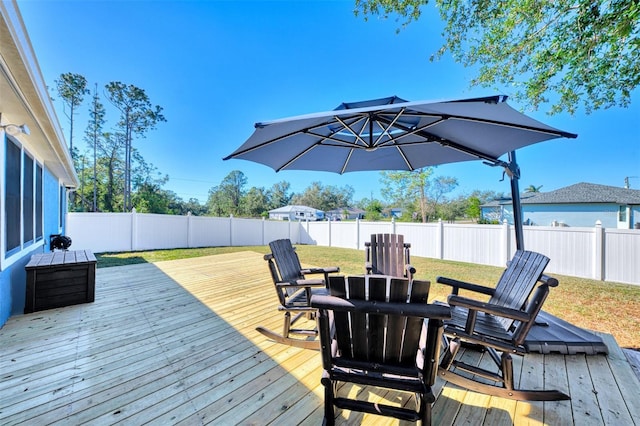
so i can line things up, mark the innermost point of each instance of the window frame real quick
(36, 218)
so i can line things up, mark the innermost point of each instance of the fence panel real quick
(344, 234)
(100, 232)
(622, 256)
(160, 231)
(210, 231)
(571, 250)
(473, 244)
(422, 237)
(246, 232)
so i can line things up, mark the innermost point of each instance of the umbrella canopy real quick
(394, 134)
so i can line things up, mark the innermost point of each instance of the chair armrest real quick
(499, 311)
(410, 269)
(302, 283)
(320, 270)
(420, 310)
(550, 281)
(466, 286)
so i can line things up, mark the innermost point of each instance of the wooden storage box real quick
(60, 278)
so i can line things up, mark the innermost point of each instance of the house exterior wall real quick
(13, 277)
(571, 214)
(25, 102)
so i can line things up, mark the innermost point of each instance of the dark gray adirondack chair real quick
(294, 292)
(379, 343)
(388, 254)
(499, 325)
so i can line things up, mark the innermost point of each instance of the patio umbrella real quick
(394, 134)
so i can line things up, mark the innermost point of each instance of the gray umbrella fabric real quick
(394, 134)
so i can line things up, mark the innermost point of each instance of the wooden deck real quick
(175, 343)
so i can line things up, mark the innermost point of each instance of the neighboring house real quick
(296, 213)
(581, 204)
(36, 170)
(345, 213)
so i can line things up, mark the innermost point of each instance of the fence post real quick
(393, 225)
(598, 255)
(506, 243)
(329, 231)
(440, 240)
(263, 225)
(134, 230)
(189, 231)
(231, 230)
(357, 233)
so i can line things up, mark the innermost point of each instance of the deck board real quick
(175, 343)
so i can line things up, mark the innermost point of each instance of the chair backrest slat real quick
(287, 261)
(387, 254)
(518, 281)
(380, 338)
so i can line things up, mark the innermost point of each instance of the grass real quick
(595, 305)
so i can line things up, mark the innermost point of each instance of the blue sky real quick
(218, 67)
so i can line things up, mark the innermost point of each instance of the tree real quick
(255, 202)
(323, 197)
(533, 188)
(137, 116)
(225, 198)
(92, 136)
(404, 188)
(72, 88)
(279, 195)
(474, 210)
(373, 210)
(584, 51)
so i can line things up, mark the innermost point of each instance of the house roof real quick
(350, 210)
(580, 193)
(25, 99)
(293, 208)
(590, 193)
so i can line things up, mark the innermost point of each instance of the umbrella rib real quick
(385, 130)
(346, 162)
(348, 127)
(292, 160)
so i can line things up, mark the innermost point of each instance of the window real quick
(27, 199)
(24, 198)
(622, 214)
(39, 190)
(12, 205)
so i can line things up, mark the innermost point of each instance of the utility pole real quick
(626, 181)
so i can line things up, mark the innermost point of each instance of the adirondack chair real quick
(499, 325)
(388, 254)
(379, 341)
(294, 292)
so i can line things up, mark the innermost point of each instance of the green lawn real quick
(595, 305)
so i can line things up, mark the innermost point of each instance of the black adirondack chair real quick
(388, 254)
(294, 292)
(373, 333)
(499, 325)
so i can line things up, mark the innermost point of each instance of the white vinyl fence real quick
(597, 253)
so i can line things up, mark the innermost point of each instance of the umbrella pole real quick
(515, 199)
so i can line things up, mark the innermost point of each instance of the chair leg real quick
(287, 324)
(507, 371)
(329, 416)
(450, 352)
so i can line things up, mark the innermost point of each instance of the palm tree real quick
(533, 188)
